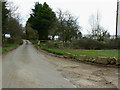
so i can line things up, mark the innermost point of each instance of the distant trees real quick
(41, 19)
(97, 31)
(79, 35)
(62, 24)
(31, 33)
(66, 26)
(10, 21)
(14, 28)
(46, 22)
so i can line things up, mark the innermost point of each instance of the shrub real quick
(113, 44)
(43, 41)
(53, 44)
(87, 43)
(10, 40)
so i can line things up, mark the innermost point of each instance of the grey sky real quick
(79, 8)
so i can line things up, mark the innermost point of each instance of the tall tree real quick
(5, 12)
(14, 28)
(10, 20)
(68, 26)
(41, 19)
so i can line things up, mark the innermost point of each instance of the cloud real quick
(80, 8)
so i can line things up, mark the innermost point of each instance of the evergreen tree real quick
(41, 19)
(5, 12)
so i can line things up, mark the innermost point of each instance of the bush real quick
(87, 43)
(10, 40)
(84, 43)
(53, 44)
(113, 44)
(43, 41)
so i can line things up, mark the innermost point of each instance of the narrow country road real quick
(26, 67)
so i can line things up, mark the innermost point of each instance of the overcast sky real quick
(79, 8)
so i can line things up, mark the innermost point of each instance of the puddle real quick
(70, 67)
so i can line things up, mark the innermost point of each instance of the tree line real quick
(44, 21)
(45, 24)
(11, 21)
(48, 23)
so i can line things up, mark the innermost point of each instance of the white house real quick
(55, 38)
(7, 36)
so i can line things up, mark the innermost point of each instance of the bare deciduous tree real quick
(13, 21)
(97, 31)
(67, 25)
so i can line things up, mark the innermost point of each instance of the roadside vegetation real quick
(12, 30)
(103, 56)
(90, 53)
(44, 25)
(58, 32)
(9, 45)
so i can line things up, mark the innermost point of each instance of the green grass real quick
(6, 46)
(89, 53)
(33, 41)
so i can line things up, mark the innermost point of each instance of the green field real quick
(89, 53)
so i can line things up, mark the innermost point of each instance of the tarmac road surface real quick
(24, 67)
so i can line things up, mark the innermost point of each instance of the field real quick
(89, 53)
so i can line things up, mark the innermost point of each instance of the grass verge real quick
(7, 46)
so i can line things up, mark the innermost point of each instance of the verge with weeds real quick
(7, 46)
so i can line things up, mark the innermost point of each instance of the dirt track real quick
(25, 67)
